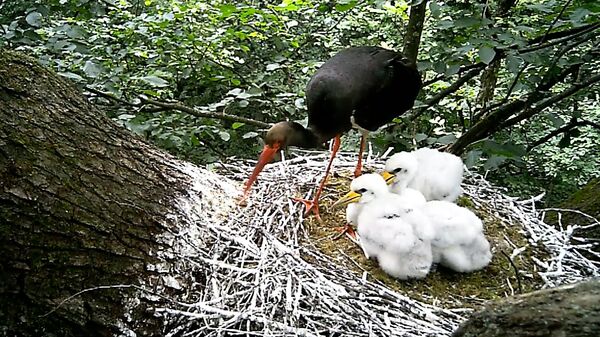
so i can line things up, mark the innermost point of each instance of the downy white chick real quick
(459, 242)
(390, 229)
(437, 175)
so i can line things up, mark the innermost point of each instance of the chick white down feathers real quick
(404, 232)
(391, 230)
(459, 242)
(437, 175)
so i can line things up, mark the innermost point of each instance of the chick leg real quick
(313, 205)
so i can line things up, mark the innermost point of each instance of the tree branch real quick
(550, 101)
(182, 108)
(448, 91)
(109, 96)
(560, 34)
(412, 38)
(562, 11)
(205, 114)
(486, 126)
(591, 28)
(571, 125)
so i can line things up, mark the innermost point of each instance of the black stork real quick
(361, 87)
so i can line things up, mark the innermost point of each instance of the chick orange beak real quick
(350, 197)
(266, 156)
(388, 177)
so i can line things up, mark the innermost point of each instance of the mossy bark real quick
(571, 310)
(81, 202)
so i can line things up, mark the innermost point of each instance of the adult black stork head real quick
(362, 87)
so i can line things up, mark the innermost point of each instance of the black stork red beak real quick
(267, 155)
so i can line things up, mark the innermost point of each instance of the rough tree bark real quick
(571, 310)
(412, 39)
(489, 77)
(82, 204)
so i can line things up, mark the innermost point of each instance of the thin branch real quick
(560, 34)
(591, 28)
(562, 11)
(560, 54)
(448, 91)
(205, 114)
(517, 276)
(460, 71)
(550, 101)
(110, 96)
(571, 125)
(514, 82)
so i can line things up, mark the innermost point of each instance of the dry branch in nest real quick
(258, 271)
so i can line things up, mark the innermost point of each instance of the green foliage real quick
(253, 59)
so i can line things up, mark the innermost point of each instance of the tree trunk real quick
(412, 39)
(83, 204)
(489, 77)
(571, 310)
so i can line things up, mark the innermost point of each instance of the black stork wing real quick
(372, 83)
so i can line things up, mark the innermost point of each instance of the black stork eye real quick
(361, 191)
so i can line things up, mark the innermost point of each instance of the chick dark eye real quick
(361, 191)
(404, 170)
(397, 170)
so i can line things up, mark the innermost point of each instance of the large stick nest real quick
(265, 270)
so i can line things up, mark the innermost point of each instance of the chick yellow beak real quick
(350, 197)
(389, 178)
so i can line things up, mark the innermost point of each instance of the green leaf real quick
(243, 103)
(344, 5)
(155, 81)
(565, 141)
(452, 69)
(575, 133)
(472, 158)
(224, 135)
(507, 150)
(513, 63)
(420, 137)
(91, 69)
(273, 66)
(71, 75)
(440, 67)
(466, 21)
(75, 32)
(493, 162)
(126, 116)
(486, 54)
(237, 125)
(34, 19)
(447, 139)
(556, 120)
(250, 134)
(436, 10)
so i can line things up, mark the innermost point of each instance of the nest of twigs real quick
(265, 270)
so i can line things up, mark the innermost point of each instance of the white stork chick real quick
(459, 242)
(352, 212)
(437, 175)
(390, 229)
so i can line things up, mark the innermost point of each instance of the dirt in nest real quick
(442, 287)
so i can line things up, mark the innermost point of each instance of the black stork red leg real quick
(358, 169)
(313, 205)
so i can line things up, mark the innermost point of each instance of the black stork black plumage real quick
(361, 87)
